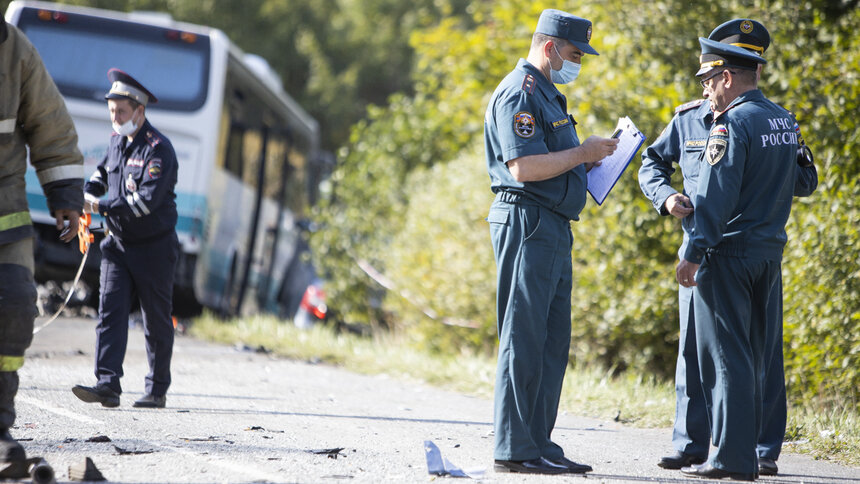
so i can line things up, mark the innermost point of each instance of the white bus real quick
(249, 158)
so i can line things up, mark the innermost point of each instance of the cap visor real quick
(704, 70)
(584, 47)
(113, 95)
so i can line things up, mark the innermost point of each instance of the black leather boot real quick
(10, 449)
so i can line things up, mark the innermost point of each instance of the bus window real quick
(223, 138)
(296, 184)
(79, 51)
(233, 156)
(252, 146)
(275, 165)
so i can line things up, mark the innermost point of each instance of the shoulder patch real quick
(524, 124)
(152, 138)
(688, 106)
(529, 83)
(719, 130)
(154, 169)
(797, 129)
(715, 150)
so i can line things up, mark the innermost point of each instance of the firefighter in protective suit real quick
(32, 114)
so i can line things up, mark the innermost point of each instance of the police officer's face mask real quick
(128, 127)
(568, 72)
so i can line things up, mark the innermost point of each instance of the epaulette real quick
(152, 138)
(529, 83)
(688, 106)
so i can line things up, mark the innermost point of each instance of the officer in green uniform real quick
(683, 142)
(753, 36)
(537, 169)
(744, 192)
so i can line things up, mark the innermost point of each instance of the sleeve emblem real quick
(715, 151)
(719, 130)
(524, 124)
(154, 169)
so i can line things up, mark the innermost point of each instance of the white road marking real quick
(246, 470)
(238, 468)
(59, 411)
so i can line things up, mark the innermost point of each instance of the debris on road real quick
(252, 349)
(439, 466)
(211, 438)
(85, 471)
(122, 451)
(99, 438)
(330, 453)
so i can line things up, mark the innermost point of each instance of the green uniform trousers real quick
(532, 247)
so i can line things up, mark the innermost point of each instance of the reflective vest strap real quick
(11, 363)
(14, 220)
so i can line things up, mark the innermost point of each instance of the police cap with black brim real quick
(575, 30)
(743, 32)
(123, 86)
(717, 54)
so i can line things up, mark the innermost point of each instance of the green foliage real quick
(448, 273)
(822, 310)
(422, 226)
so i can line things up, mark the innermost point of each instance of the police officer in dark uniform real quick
(683, 142)
(537, 169)
(744, 192)
(133, 189)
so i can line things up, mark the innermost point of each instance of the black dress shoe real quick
(533, 466)
(708, 471)
(767, 467)
(151, 401)
(97, 394)
(679, 460)
(572, 467)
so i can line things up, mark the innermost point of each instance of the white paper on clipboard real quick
(602, 178)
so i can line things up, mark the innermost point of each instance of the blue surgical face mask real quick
(568, 73)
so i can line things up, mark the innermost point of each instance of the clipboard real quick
(601, 179)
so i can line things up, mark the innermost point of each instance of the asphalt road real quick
(238, 416)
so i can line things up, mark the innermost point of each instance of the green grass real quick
(829, 434)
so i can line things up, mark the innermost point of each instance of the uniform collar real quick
(751, 95)
(545, 85)
(140, 137)
(705, 112)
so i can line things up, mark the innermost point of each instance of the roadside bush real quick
(442, 260)
(412, 192)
